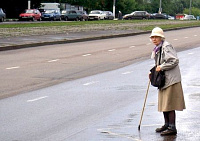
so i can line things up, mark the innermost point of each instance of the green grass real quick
(63, 23)
(162, 24)
(171, 26)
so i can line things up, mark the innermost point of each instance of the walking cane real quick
(144, 105)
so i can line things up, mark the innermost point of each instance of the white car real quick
(189, 17)
(97, 15)
(171, 17)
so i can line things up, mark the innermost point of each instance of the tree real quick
(126, 6)
(172, 7)
(194, 11)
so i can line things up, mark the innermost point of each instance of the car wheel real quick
(77, 19)
(2, 19)
(66, 19)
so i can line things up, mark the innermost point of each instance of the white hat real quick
(157, 31)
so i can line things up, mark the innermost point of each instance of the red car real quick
(30, 14)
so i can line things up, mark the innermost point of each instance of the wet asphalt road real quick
(103, 107)
(33, 68)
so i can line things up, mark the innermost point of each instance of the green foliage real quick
(126, 6)
(170, 7)
(194, 11)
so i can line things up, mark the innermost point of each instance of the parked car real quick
(109, 15)
(97, 15)
(189, 17)
(179, 16)
(71, 15)
(84, 15)
(2, 15)
(30, 14)
(158, 16)
(137, 15)
(51, 14)
(171, 17)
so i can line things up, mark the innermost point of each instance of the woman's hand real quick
(158, 68)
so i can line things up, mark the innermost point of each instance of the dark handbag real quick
(157, 78)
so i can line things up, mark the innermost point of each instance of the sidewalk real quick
(35, 40)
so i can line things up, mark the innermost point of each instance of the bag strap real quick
(160, 54)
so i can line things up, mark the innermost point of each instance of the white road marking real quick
(86, 55)
(13, 68)
(191, 53)
(55, 60)
(39, 98)
(175, 39)
(131, 46)
(185, 37)
(128, 72)
(90, 83)
(112, 50)
(195, 35)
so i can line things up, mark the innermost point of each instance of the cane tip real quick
(139, 127)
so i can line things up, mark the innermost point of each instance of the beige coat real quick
(170, 97)
(169, 63)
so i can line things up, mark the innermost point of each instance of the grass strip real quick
(102, 22)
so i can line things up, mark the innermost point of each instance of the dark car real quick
(137, 15)
(2, 15)
(30, 14)
(109, 15)
(71, 15)
(51, 14)
(158, 16)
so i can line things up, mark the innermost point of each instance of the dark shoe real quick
(163, 128)
(169, 131)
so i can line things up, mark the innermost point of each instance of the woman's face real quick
(156, 40)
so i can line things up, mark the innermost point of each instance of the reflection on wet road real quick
(103, 107)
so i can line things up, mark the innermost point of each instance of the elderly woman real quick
(170, 96)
